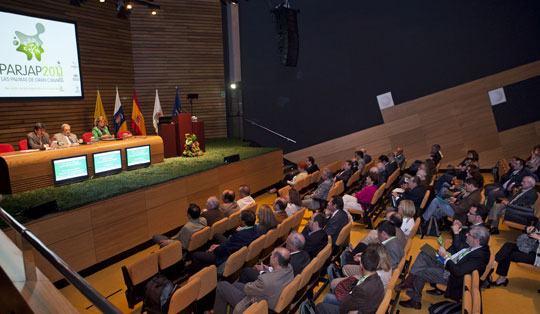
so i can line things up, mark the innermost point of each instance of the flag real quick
(137, 119)
(118, 116)
(99, 111)
(157, 112)
(177, 108)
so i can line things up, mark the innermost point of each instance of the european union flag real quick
(177, 108)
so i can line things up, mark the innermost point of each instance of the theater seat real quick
(86, 136)
(6, 148)
(23, 144)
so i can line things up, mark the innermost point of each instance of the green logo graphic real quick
(30, 45)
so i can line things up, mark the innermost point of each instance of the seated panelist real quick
(38, 139)
(100, 130)
(65, 138)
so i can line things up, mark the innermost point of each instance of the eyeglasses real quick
(472, 214)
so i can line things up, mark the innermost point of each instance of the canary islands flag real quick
(119, 118)
(137, 119)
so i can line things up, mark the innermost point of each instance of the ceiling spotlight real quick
(233, 85)
(235, 2)
(129, 6)
(154, 12)
(101, 1)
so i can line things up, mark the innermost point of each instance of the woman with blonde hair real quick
(407, 209)
(100, 130)
(266, 219)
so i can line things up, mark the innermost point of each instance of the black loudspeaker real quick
(287, 31)
(41, 210)
(231, 158)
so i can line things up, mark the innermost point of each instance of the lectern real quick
(167, 131)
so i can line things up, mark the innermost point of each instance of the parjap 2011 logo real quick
(31, 45)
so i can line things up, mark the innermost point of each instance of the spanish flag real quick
(99, 111)
(137, 119)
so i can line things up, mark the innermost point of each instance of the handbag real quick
(525, 243)
(520, 214)
(344, 287)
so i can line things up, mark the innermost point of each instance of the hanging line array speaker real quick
(287, 32)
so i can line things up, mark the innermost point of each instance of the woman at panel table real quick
(100, 130)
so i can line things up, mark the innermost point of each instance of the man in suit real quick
(383, 175)
(336, 218)
(510, 180)
(367, 158)
(392, 164)
(428, 269)
(299, 258)
(368, 293)
(229, 206)
(212, 213)
(358, 161)
(436, 154)
(66, 138)
(311, 166)
(475, 217)
(386, 232)
(38, 139)
(414, 192)
(313, 201)
(218, 253)
(268, 286)
(194, 224)
(346, 173)
(525, 197)
(279, 209)
(457, 207)
(400, 157)
(314, 234)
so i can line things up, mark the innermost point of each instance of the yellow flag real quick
(99, 111)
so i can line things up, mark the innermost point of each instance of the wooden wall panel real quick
(181, 46)
(459, 119)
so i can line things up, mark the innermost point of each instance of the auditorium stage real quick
(93, 233)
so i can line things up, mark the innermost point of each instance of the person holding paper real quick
(448, 269)
(65, 138)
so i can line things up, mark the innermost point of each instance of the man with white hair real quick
(525, 197)
(313, 201)
(65, 138)
(212, 213)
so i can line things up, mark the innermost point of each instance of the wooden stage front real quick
(94, 233)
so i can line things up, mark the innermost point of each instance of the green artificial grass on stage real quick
(93, 190)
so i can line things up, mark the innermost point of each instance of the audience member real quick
(294, 202)
(456, 207)
(229, 206)
(311, 166)
(367, 158)
(526, 197)
(435, 154)
(267, 221)
(313, 201)
(362, 199)
(527, 251)
(336, 218)
(315, 235)
(358, 161)
(212, 213)
(279, 209)
(245, 197)
(383, 175)
(366, 295)
(38, 139)
(429, 269)
(392, 164)
(414, 192)
(386, 231)
(533, 161)
(218, 253)
(510, 180)
(65, 138)
(400, 157)
(397, 219)
(194, 224)
(407, 209)
(346, 173)
(267, 286)
(291, 179)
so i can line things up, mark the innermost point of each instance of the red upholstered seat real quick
(23, 144)
(86, 136)
(5, 148)
(122, 134)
